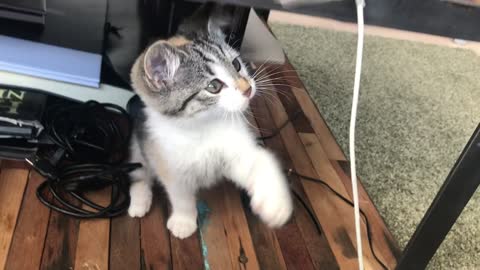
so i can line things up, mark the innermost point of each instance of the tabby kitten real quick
(195, 88)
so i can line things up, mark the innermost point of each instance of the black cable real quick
(276, 131)
(346, 200)
(91, 142)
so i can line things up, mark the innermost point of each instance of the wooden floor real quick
(230, 236)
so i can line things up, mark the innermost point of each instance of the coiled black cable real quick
(91, 143)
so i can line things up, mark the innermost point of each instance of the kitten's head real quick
(194, 72)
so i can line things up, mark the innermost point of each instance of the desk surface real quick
(231, 236)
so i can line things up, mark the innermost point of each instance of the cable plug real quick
(42, 166)
(46, 166)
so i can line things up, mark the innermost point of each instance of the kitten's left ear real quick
(161, 61)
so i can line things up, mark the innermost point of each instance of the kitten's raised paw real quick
(274, 210)
(182, 226)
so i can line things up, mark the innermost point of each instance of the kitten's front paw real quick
(273, 206)
(182, 226)
(140, 199)
(139, 207)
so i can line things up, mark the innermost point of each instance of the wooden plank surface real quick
(125, 243)
(320, 160)
(60, 243)
(155, 238)
(240, 243)
(233, 237)
(13, 180)
(31, 229)
(212, 230)
(93, 238)
(186, 253)
(384, 244)
(320, 253)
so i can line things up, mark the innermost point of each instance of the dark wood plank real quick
(29, 236)
(94, 237)
(315, 119)
(316, 154)
(212, 230)
(240, 243)
(385, 246)
(12, 186)
(125, 243)
(320, 253)
(321, 165)
(186, 253)
(315, 149)
(155, 238)
(264, 240)
(60, 243)
(338, 225)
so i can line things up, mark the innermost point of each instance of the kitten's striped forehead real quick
(212, 51)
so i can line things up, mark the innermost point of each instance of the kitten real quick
(195, 88)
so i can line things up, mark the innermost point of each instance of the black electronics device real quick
(32, 11)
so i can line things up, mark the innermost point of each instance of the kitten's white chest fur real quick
(197, 155)
(200, 149)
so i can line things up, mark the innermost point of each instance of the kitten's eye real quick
(215, 86)
(236, 64)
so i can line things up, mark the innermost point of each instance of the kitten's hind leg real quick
(141, 185)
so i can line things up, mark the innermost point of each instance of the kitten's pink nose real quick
(248, 92)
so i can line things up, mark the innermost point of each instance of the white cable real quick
(353, 117)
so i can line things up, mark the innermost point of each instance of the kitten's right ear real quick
(161, 61)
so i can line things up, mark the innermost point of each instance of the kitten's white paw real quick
(274, 206)
(140, 199)
(182, 226)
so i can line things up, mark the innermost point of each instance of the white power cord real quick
(356, 90)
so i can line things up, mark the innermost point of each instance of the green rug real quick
(419, 105)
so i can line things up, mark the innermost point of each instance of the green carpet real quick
(419, 104)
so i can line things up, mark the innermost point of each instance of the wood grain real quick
(334, 218)
(186, 253)
(29, 236)
(212, 229)
(385, 246)
(264, 240)
(60, 243)
(125, 243)
(322, 167)
(326, 170)
(155, 238)
(315, 152)
(12, 186)
(240, 243)
(93, 238)
(315, 242)
(310, 110)
(234, 237)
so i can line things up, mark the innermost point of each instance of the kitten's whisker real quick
(267, 73)
(276, 73)
(281, 84)
(285, 77)
(287, 96)
(259, 68)
(269, 97)
(248, 122)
